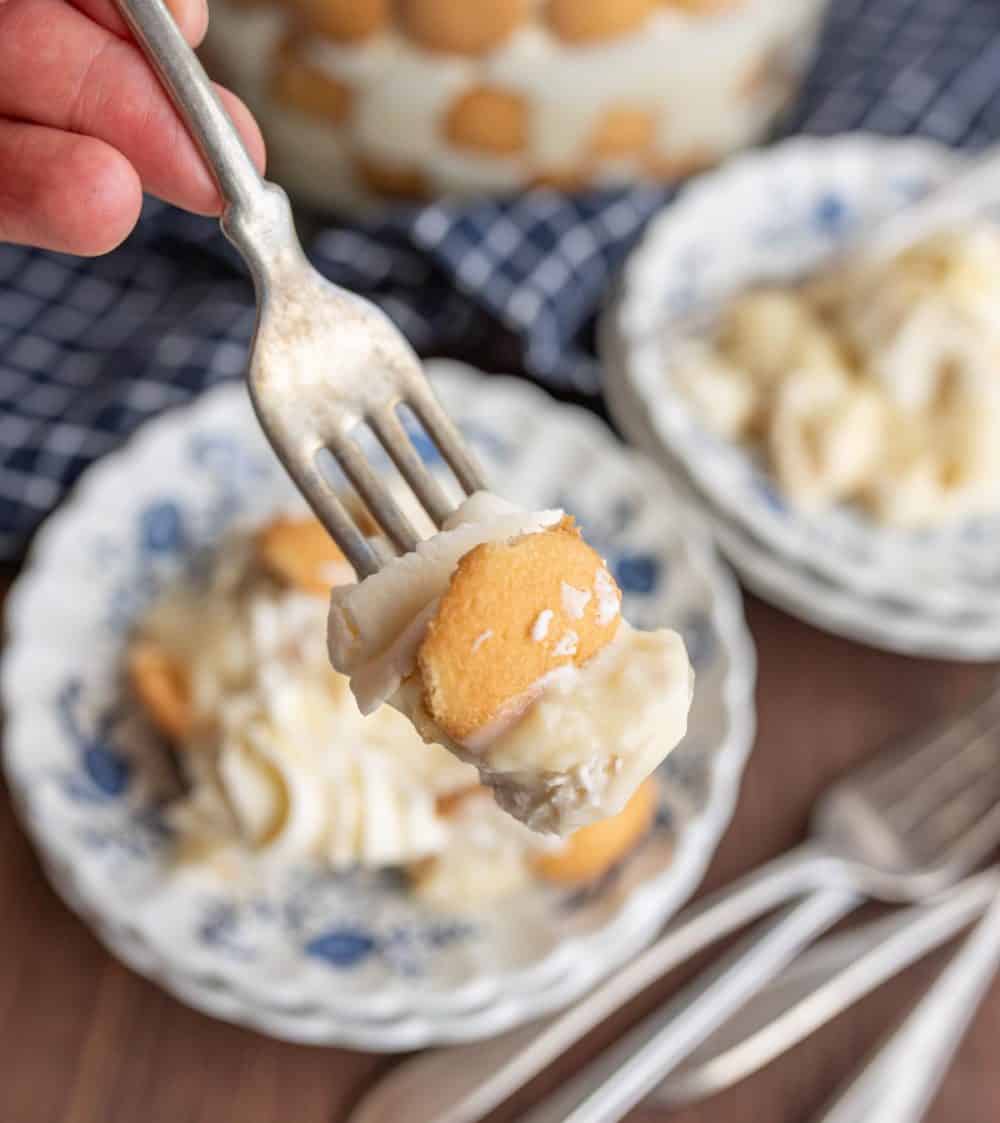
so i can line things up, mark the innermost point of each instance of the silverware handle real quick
(627, 1072)
(822, 983)
(465, 1083)
(253, 208)
(899, 1083)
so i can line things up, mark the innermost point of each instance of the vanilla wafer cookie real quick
(161, 684)
(460, 26)
(592, 21)
(592, 851)
(298, 84)
(514, 612)
(299, 552)
(489, 119)
(345, 21)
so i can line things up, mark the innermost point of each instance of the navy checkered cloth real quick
(89, 349)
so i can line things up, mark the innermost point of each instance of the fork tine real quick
(396, 441)
(960, 812)
(978, 757)
(914, 760)
(327, 507)
(447, 438)
(382, 549)
(374, 492)
(979, 840)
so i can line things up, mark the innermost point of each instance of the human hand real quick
(85, 126)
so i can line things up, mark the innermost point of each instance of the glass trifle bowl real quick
(363, 100)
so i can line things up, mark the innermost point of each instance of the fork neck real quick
(257, 217)
(260, 225)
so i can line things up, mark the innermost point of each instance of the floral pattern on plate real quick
(353, 958)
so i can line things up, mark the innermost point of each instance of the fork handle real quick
(902, 1079)
(465, 1083)
(823, 982)
(625, 1074)
(256, 214)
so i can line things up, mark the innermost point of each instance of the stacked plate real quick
(777, 214)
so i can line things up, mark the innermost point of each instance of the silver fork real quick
(905, 826)
(902, 1079)
(830, 977)
(324, 361)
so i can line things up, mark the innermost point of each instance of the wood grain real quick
(83, 1040)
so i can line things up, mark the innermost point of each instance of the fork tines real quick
(377, 495)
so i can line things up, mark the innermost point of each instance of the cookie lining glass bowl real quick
(366, 100)
(345, 959)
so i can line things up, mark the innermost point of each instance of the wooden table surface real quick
(83, 1040)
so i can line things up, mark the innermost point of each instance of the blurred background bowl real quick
(412, 99)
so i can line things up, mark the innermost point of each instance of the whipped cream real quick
(577, 745)
(282, 765)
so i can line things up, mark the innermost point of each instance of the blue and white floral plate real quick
(349, 960)
(770, 215)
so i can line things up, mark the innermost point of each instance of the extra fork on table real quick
(902, 1079)
(905, 826)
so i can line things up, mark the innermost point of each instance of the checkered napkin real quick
(89, 349)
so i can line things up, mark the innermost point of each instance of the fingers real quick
(191, 17)
(63, 70)
(69, 193)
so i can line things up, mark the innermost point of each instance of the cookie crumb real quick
(608, 597)
(574, 600)
(481, 639)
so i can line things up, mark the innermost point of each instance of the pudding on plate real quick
(282, 767)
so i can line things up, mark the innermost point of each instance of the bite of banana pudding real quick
(501, 638)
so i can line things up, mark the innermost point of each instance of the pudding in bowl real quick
(309, 953)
